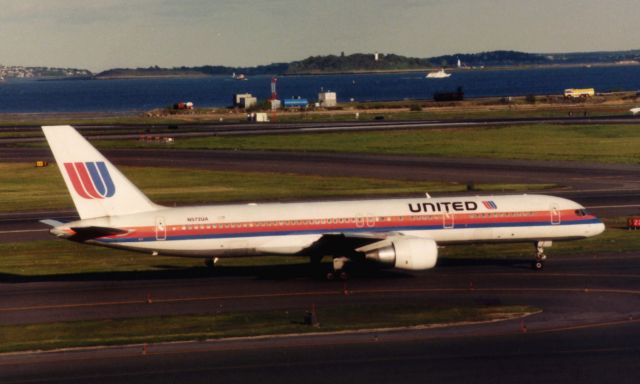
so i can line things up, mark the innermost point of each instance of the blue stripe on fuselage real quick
(349, 230)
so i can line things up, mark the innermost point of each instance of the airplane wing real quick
(350, 243)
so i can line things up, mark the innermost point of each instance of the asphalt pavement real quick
(588, 330)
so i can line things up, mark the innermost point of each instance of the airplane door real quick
(447, 220)
(161, 229)
(555, 214)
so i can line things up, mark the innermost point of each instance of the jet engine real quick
(413, 254)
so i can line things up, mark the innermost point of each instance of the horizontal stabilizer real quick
(52, 223)
(88, 233)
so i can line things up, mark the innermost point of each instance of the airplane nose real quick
(597, 229)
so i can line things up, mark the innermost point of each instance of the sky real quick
(103, 34)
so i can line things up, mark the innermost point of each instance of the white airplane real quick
(400, 233)
(635, 110)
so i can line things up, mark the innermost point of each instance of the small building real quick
(238, 96)
(327, 99)
(244, 100)
(259, 117)
(248, 102)
(275, 104)
(457, 95)
(296, 103)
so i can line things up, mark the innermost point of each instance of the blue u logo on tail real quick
(91, 179)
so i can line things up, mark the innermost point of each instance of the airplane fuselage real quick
(293, 228)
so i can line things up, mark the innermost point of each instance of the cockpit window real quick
(581, 212)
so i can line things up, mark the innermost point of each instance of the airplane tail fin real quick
(97, 188)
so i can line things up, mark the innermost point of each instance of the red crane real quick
(274, 95)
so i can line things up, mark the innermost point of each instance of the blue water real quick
(217, 91)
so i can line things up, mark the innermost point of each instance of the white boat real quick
(441, 74)
(239, 76)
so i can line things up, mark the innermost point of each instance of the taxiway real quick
(588, 330)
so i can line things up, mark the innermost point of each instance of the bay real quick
(130, 95)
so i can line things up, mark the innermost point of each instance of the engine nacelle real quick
(412, 254)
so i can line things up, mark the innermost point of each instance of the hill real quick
(366, 62)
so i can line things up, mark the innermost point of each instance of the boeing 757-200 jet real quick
(398, 233)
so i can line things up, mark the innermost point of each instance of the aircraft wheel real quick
(344, 276)
(331, 276)
(538, 265)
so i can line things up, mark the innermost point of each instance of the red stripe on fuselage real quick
(461, 219)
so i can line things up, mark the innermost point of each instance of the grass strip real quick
(221, 325)
(55, 257)
(24, 186)
(592, 143)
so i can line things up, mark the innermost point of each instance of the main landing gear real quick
(211, 263)
(339, 264)
(538, 264)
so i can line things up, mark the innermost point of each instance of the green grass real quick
(480, 112)
(191, 327)
(62, 257)
(593, 143)
(23, 186)
(58, 257)
(27, 119)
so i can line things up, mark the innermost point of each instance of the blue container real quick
(288, 103)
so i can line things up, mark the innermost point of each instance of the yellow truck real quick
(576, 93)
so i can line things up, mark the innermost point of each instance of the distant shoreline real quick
(377, 72)
(167, 76)
(185, 75)
(353, 64)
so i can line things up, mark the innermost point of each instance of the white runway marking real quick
(23, 231)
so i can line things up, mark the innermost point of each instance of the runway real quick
(30, 134)
(588, 330)
(571, 174)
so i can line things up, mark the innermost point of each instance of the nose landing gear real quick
(538, 264)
